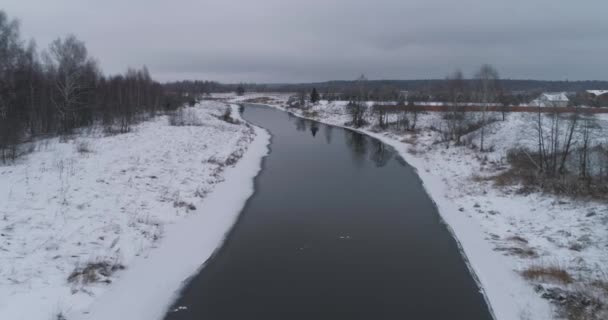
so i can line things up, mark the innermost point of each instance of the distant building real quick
(597, 98)
(552, 99)
(597, 93)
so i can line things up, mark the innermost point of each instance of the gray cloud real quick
(288, 40)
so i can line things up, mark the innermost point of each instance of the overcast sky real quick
(317, 40)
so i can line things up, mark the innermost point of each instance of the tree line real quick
(431, 85)
(62, 88)
(195, 88)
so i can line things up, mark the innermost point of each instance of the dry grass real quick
(578, 304)
(518, 251)
(601, 284)
(548, 273)
(310, 114)
(517, 239)
(413, 151)
(574, 299)
(184, 204)
(94, 272)
(479, 178)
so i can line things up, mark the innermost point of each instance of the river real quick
(339, 227)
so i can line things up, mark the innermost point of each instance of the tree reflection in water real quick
(328, 132)
(300, 124)
(381, 153)
(314, 128)
(358, 144)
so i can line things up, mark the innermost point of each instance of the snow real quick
(493, 224)
(145, 200)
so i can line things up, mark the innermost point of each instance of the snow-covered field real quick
(502, 233)
(103, 227)
(93, 214)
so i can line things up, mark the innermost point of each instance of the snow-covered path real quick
(125, 201)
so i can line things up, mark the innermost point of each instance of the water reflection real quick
(358, 144)
(361, 145)
(381, 153)
(301, 124)
(314, 128)
(328, 132)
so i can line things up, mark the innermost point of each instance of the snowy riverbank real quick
(502, 233)
(144, 201)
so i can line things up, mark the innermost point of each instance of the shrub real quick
(83, 147)
(525, 173)
(227, 116)
(184, 117)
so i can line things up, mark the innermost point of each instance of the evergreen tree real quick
(314, 96)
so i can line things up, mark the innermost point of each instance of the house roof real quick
(597, 92)
(555, 96)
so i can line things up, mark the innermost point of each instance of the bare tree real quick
(456, 116)
(357, 111)
(488, 88)
(588, 128)
(10, 50)
(358, 107)
(302, 98)
(555, 143)
(506, 100)
(361, 84)
(414, 110)
(72, 68)
(381, 116)
(567, 145)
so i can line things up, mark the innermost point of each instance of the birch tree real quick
(68, 60)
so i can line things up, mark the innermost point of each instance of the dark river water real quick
(339, 227)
